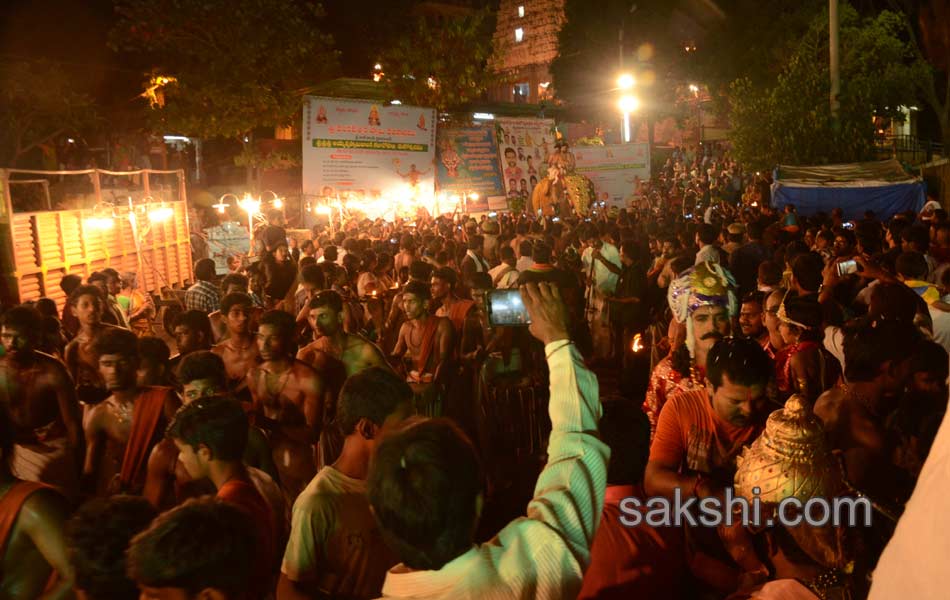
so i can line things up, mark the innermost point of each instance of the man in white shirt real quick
(425, 487)
(322, 559)
(602, 264)
(505, 275)
(705, 238)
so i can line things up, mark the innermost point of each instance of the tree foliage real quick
(442, 65)
(790, 122)
(238, 64)
(38, 103)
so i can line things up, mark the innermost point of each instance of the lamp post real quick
(625, 83)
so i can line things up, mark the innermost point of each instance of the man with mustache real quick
(703, 302)
(699, 434)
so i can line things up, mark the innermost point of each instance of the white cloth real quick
(707, 253)
(834, 343)
(544, 554)
(941, 324)
(914, 563)
(480, 265)
(504, 281)
(604, 280)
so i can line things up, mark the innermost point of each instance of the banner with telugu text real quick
(367, 150)
(614, 169)
(466, 162)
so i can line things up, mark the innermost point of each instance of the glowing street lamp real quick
(628, 104)
(626, 81)
(694, 88)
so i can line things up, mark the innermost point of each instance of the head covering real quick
(706, 284)
(803, 306)
(792, 459)
(930, 206)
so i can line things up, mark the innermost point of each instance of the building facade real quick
(524, 44)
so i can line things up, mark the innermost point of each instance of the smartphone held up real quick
(506, 309)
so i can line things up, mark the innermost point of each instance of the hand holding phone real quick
(847, 267)
(506, 308)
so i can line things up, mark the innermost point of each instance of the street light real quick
(628, 104)
(626, 81)
(694, 88)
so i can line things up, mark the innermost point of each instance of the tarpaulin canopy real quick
(882, 187)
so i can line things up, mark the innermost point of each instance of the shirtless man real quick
(86, 304)
(41, 398)
(460, 311)
(231, 284)
(289, 399)
(239, 351)
(877, 367)
(425, 342)
(202, 375)
(32, 544)
(335, 355)
(121, 430)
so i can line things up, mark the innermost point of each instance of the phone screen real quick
(847, 267)
(506, 308)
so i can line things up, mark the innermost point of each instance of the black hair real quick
(707, 233)
(911, 265)
(423, 486)
(154, 349)
(110, 272)
(205, 269)
(97, 537)
(117, 341)
(930, 357)
(372, 394)
(755, 297)
(329, 298)
(195, 320)
(69, 283)
(282, 322)
(807, 269)
(625, 428)
(541, 253)
(330, 253)
(420, 270)
(47, 307)
(807, 311)
(418, 288)
(506, 253)
(202, 364)
(235, 299)
(770, 272)
(313, 275)
(918, 236)
(894, 302)
(868, 346)
(447, 275)
(87, 290)
(234, 279)
(204, 543)
(742, 360)
(26, 320)
(218, 423)
(525, 247)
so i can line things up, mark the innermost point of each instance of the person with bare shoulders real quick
(86, 303)
(121, 430)
(425, 345)
(33, 554)
(192, 330)
(167, 483)
(44, 412)
(336, 355)
(878, 355)
(239, 351)
(289, 399)
(231, 284)
(461, 311)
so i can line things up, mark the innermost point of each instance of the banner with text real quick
(365, 150)
(466, 162)
(523, 147)
(614, 169)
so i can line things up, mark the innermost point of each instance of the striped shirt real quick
(203, 296)
(544, 554)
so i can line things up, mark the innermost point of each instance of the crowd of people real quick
(329, 419)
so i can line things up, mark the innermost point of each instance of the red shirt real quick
(245, 496)
(633, 562)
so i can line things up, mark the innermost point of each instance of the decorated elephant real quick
(562, 193)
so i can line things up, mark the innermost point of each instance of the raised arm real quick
(69, 411)
(569, 494)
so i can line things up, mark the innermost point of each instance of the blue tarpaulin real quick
(882, 187)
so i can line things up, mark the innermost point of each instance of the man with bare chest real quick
(877, 367)
(86, 303)
(460, 311)
(40, 396)
(425, 344)
(239, 351)
(122, 430)
(32, 541)
(289, 399)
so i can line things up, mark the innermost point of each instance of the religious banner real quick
(367, 151)
(614, 169)
(523, 146)
(467, 162)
